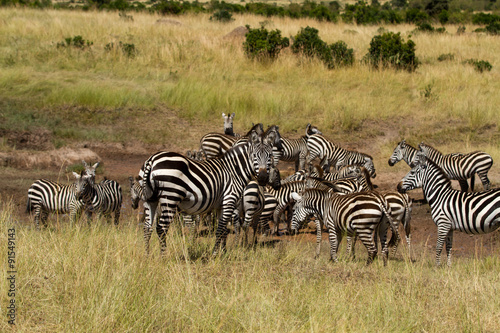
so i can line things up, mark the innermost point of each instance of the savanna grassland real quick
(184, 74)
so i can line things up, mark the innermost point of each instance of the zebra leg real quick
(221, 233)
(443, 230)
(484, 179)
(464, 186)
(167, 214)
(335, 236)
(368, 240)
(382, 233)
(117, 217)
(318, 237)
(149, 213)
(38, 210)
(449, 243)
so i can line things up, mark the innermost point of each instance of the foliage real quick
(76, 42)
(427, 27)
(222, 15)
(479, 65)
(416, 16)
(493, 28)
(361, 13)
(446, 56)
(483, 18)
(389, 49)
(264, 44)
(308, 43)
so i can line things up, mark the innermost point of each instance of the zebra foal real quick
(472, 213)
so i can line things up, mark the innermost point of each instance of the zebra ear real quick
(77, 176)
(232, 115)
(131, 180)
(296, 196)
(223, 115)
(403, 143)
(96, 165)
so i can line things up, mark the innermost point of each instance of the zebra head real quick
(397, 154)
(370, 166)
(300, 212)
(228, 123)
(414, 178)
(83, 183)
(310, 130)
(275, 178)
(350, 171)
(135, 192)
(90, 170)
(261, 153)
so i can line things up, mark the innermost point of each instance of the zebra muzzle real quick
(262, 177)
(400, 188)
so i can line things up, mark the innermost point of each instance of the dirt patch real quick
(35, 140)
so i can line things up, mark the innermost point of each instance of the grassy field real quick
(98, 279)
(171, 93)
(191, 72)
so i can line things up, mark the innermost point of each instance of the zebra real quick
(403, 151)
(214, 145)
(358, 214)
(257, 206)
(104, 198)
(472, 213)
(171, 181)
(331, 154)
(228, 124)
(461, 166)
(295, 150)
(45, 196)
(344, 172)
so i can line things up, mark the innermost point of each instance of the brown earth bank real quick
(21, 167)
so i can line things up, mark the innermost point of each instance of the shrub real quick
(222, 15)
(76, 42)
(493, 28)
(483, 18)
(479, 65)
(308, 43)
(127, 49)
(261, 43)
(389, 49)
(446, 56)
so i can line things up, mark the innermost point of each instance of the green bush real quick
(128, 50)
(426, 27)
(76, 42)
(222, 15)
(389, 50)
(479, 65)
(446, 56)
(263, 44)
(493, 28)
(308, 43)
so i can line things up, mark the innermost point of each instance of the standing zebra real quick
(45, 196)
(403, 151)
(228, 124)
(358, 214)
(461, 166)
(295, 150)
(331, 154)
(104, 198)
(172, 182)
(214, 145)
(472, 213)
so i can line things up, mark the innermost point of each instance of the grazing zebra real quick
(472, 213)
(295, 150)
(257, 207)
(348, 185)
(104, 198)
(344, 172)
(45, 196)
(403, 151)
(461, 166)
(331, 154)
(172, 181)
(358, 214)
(228, 124)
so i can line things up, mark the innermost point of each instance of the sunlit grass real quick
(99, 279)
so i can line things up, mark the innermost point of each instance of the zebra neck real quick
(89, 195)
(435, 184)
(238, 161)
(409, 154)
(435, 156)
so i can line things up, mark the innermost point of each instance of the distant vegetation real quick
(390, 12)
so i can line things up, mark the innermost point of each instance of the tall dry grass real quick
(191, 71)
(98, 279)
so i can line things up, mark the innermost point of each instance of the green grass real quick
(99, 279)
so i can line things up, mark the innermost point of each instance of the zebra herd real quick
(237, 179)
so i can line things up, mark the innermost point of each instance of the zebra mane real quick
(429, 147)
(258, 128)
(366, 175)
(429, 163)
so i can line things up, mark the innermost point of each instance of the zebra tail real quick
(147, 187)
(394, 227)
(407, 219)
